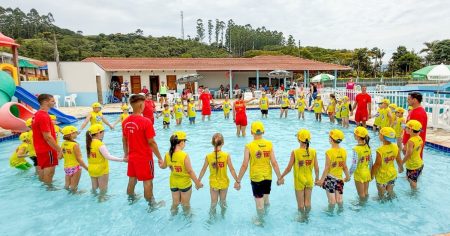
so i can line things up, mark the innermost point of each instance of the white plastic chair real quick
(170, 98)
(70, 100)
(56, 97)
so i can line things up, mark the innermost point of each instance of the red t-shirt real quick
(362, 99)
(420, 115)
(138, 130)
(42, 123)
(144, 91)
(239, 106)
(206, 98)
(149, 109)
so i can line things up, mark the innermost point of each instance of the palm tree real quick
(429, 50)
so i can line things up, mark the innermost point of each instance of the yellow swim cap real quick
(361, 132)
(337, 135)
(96, 128)
(303, 135)
(53, 117)
(414, 125)
(181, 135)
(388, 133)
(345, 98)
(96, 105)
(69, 130)
(28, 122)
(393, 106)
(124, 107)
(24, 136)
(257, 127)
(400, 110)
(385, 101)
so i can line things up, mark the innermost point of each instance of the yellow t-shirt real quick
(260, 166)
(338, 111)
(123, 116)
(166, 115)
(264, 103)
(31, 150)
(377, 120)
(301, 104)
(191, 110)
(384, 118)
(318, 106)
(98, 165)
(332, 106)
(387, 171)
(226, 106)
(415, 162)
(362, 171)
(285, 103)
(303, 167)
(179, 177)
(218, 177)
(338, 157)
(345, 110)
(178, 110)
(57, 132)
(14, 160)
(96, 118)
(70, 160)
(398, 126)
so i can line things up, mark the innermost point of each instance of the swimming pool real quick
(28, 209)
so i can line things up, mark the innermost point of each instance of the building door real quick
(154, 84)
(116, 81)
(171, 82)
(98, 80)
(135, 84)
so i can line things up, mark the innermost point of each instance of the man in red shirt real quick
(139, 145)
(363, 106)
(417, 113)
(44, 139)
(144, 90)
(205, 103)
(149, 108)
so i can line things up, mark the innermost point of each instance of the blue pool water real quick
(27, 208)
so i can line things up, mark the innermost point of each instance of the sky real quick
(334, 24)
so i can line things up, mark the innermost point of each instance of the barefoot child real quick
(335, 165)
(123, 116)
(412, 159)
(300, 104)
(226, 106)
(338, 115)
(303, 159)
(181, 173)
(331, 108)
(96, 117)
(264, 105)
(362, 162)
(384, 169)
(30, 147)
(318, 107)
(178, 110)
(167, 114)
(284, 106)
(345, 111)
(259, 153)
(72, 158)
(218, 161)
(398, 126)
(98, 156)
(191, 112)
(17, 159)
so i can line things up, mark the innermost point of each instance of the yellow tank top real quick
(179, 177)
(415, 162)
(318, 106)
(14, 160)
(362, 171)
(384, 119)
(123, 116)
(260, 166)
(264, 103)
(332, 106)
(303, 167)
(338, 157)
(218, 177)
(387, 171)
(191, 110)
(70, 160)
(345, 110)
(31, 150)
(57, 132)
(178, 110)
(285, 102)
(338, 111)
(166, 115)
(398, 126)
(96, 117)
(226, 107)
(97, 164)
(301, 104)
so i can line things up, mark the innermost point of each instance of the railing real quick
(437, 106)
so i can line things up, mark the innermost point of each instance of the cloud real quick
(324, 23)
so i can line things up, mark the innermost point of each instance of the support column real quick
(335, 79)
(230, 76)
(257, 79)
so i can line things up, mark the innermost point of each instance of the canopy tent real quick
(6, 41)
(26, 64)
(435, 72)
(189, 78)
(322, 78)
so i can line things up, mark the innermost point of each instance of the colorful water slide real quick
(29, 99)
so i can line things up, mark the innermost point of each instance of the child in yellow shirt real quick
(412, 160)
(17, 159)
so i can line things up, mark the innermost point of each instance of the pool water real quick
(29, 209)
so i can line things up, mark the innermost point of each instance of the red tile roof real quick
(213, 64)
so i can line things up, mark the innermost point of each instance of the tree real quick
(404, 61)
(441, 52)
(377, 54)
(222, 28)
(200, 30)
(217, 31)
(210, 28)
(291, 41)
(139, 32)
(429, 51)
(361, 61)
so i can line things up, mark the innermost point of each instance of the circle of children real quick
(139, 145)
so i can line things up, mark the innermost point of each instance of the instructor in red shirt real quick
(417, 113)
(44, 139)
(149, 108)
(139, 145)
(363, 106)
(205, 103)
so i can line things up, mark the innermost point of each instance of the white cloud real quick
(324, 23)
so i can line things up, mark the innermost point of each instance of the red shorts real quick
(142, 170)
(241, 120)
(206, 111)
(361, 116)
(47, 159)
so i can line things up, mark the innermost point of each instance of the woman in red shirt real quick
(240, 115)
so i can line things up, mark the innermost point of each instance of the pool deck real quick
(436, 136)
